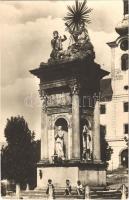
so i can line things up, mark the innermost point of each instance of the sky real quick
(26, 32)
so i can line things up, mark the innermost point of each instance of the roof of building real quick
(106, 89)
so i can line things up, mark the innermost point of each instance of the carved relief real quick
(44, 99)
(58, 99)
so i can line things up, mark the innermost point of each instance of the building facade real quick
(114, 103)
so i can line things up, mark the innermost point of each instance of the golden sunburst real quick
(78, 15)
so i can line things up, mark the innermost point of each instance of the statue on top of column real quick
(80, 46)
(59, 143)
(87, 141)
(56, 43)
(76, 22)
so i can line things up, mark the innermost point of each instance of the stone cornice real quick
(82, 69)
(112, 44)
(116, 42)
(115, 139)
(68, 163)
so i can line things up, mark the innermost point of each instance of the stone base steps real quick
(59, 194)
(95, 193)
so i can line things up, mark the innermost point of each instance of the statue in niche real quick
(57, 48)
(59, 143)
(87, 141)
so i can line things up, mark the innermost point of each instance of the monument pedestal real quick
(68, 150)
(87, 173)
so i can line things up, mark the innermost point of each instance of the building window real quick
(102, 109)
(124, 45)
(104, 129)
(126, 106)
(126, 87)
(126, 128)
(124, 62)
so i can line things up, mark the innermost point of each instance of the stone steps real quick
(97, 193)
(59, 194)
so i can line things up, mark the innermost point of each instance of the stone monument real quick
(70, 127)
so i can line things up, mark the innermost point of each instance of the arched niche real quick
(62, 122)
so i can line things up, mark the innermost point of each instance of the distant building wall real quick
(114, 104)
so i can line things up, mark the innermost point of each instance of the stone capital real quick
(44, 99)
(75, 88)
(44, 103)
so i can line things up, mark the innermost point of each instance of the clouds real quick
(26, 31)
(30, 11)
(105, 15)
(22, 98)
(24, 46)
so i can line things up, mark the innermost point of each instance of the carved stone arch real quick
(122, 150)
(61, 116)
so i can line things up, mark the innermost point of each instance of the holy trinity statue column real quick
(75, 122)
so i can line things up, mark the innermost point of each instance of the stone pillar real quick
(113, 67)
(27, 187)
(75, 123)
(96, 137)
(51, 144)
(44, 130)
(113, 83)
(18, 191)
(70, 143)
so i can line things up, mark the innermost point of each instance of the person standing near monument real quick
(50, 189)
